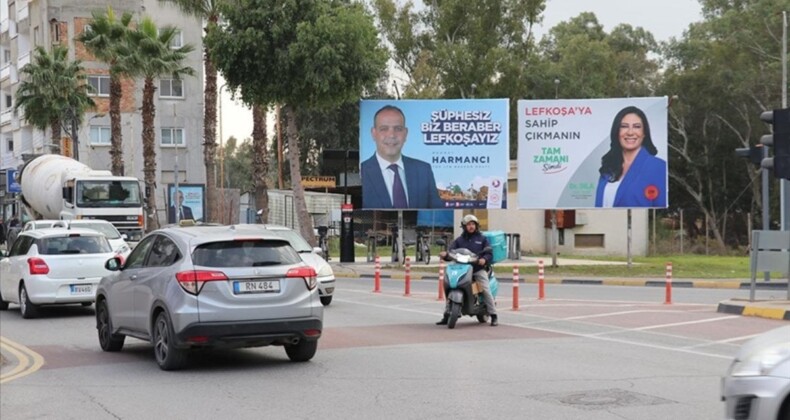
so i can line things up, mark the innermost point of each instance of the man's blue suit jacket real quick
(420, 184)
(645, 179)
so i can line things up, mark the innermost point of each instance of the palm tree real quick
(51, 87)
(103, 39)
(153, 58)
(208, 11)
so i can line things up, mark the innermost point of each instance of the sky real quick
(663, 18)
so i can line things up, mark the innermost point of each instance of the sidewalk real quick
(773, 309)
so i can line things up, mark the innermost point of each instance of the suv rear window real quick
(245, 253)
(73, 244)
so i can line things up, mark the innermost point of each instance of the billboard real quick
(592, 153)
(434, 154)
(190, 202)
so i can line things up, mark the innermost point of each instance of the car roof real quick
(55, 232)
(213, 233)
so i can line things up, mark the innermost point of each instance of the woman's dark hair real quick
(612, 161)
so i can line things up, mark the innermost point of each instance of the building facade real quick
(27, 24)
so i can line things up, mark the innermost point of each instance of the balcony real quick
(5, 117)
(23, 60)
(4, 25)
(5, 71)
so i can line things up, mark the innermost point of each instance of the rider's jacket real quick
(477, 243)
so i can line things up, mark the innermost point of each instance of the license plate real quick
(256, 286)
(81, 289)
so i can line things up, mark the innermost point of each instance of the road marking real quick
(593, 336)
(28, 360)
(725, 341)
(675, 324)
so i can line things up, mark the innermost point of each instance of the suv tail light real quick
(192, 281)
(37, 266)
(307, 273)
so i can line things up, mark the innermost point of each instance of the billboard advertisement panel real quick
(434, 154)
(592, 153)
(189, 202)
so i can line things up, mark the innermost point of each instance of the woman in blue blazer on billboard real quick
(631, 174)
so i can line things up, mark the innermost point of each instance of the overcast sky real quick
(663, 18)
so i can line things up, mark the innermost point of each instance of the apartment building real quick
(26, 24)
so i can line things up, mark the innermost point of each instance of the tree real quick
(260, 161)
(299, 53)
(51, 86)
(154, 58)
(208, 11)
(104, 38)
(725, 71)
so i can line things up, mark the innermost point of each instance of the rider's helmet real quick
(469, 218)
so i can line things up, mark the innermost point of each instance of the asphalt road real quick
(593, 352)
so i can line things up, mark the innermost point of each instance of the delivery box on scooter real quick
(498, 244)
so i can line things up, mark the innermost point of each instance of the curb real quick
(757, 311)
(699, 284)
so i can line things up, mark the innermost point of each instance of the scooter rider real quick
(473, 240)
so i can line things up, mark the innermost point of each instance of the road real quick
(597, 352)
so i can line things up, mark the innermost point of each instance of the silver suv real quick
(210, 286)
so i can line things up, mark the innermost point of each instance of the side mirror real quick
(3, 254)
(113, 264)
(317, 250)
(441, 242)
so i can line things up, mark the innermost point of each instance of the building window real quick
(9, 102)
(171, 88)
(100, 85)
(54, 28)
(172, 136)
(9, 143)
(100, 135)
(587, 240)
(6, 56)
(36, 36)
(177, 41)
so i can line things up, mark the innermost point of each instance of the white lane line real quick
(676, 324)
(725, 341)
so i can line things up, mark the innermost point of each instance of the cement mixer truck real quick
(59, 187)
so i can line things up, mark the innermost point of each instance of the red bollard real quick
(515, 287)
(668, 299)
(377, 281)
(541, 291)
(441, 280)
(407, 291)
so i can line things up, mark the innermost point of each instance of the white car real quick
(52, 267)
(117, 240)
(311, 256)
(757, 385)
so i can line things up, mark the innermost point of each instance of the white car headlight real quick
(762, 362)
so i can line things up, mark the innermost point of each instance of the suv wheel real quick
(168, 357)
(107, 340)
(26, 307)
(302, 351)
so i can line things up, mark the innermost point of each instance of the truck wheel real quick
(455, 313)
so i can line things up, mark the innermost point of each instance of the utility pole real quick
(784, 185)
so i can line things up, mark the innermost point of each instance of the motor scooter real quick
(462, 293)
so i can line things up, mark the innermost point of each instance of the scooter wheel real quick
(483, 318)
(455, 312)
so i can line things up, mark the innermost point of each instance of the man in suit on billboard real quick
(391, 180)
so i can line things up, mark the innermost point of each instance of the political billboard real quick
(434, 154)
(187, 203)
(592, 153)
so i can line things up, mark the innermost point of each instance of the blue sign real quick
(11, 184)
